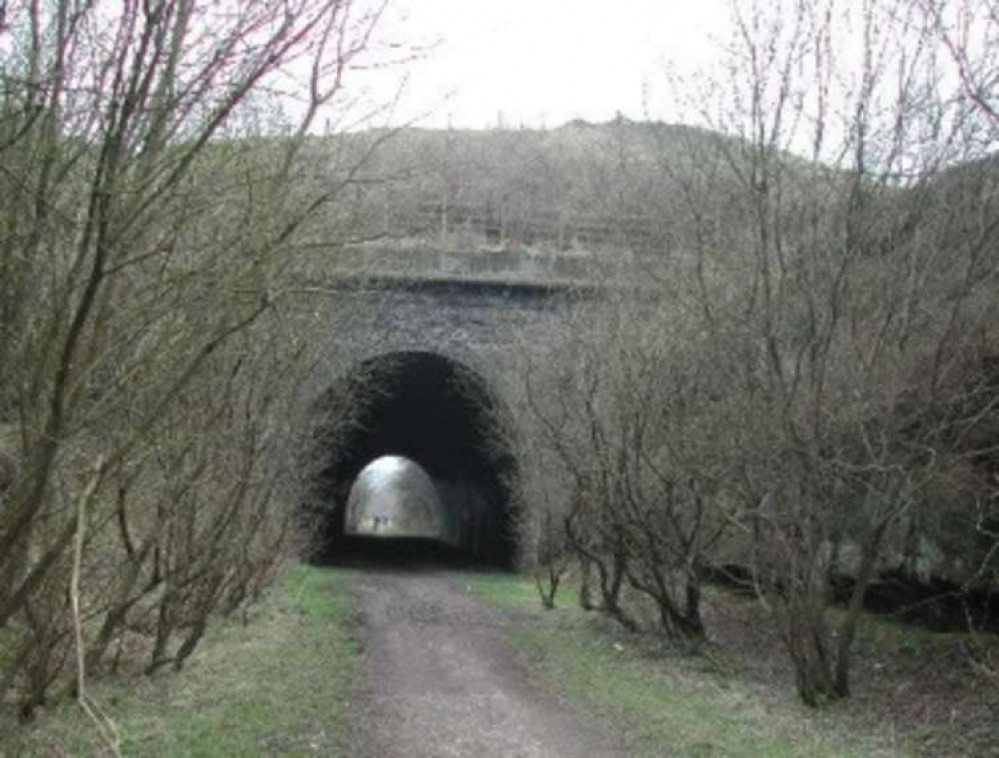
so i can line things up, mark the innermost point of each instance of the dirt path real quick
(440, 680)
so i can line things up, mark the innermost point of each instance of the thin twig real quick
(106, 728)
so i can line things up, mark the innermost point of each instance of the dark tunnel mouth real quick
(442, 415)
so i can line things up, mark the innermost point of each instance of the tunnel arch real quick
(435, 411)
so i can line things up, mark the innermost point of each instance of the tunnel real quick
(437, 417)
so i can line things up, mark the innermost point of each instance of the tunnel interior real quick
(436, 416)
(394, 497)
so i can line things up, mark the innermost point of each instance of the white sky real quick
(543, 62)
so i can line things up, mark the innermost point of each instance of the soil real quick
(439, 679)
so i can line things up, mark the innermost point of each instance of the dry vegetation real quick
(807, 389)
(299, 640)
(803, 382)
(150, 365)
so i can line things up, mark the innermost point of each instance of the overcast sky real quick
(544, 62)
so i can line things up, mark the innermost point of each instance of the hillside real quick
(578, 187)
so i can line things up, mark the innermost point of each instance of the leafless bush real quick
(847, 296)
(147, 357)
(611, 411)
(550, 556)
(800, 382)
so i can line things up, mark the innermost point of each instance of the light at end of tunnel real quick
(394, 497)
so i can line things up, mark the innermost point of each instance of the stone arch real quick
(435, 411)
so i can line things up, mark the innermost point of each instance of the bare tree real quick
(151, 226)
(848, 298)
(611, 411)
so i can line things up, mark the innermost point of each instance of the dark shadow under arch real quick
(434, 411)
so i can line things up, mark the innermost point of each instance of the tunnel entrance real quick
(409, 455)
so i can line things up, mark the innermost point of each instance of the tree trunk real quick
(807, 647)
(586, 587)
(610, 588)
(848, 629)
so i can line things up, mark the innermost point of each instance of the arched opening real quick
(399, 416)
(393, 497)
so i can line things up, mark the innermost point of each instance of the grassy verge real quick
(674, 704)
(277, 686)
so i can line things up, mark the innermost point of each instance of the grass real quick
(678, 704)
(277, 686)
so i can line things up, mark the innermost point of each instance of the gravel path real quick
(440, 680)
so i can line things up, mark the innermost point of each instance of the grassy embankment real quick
(277, 686)
(668, 704)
